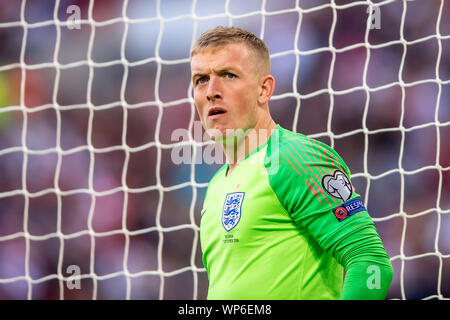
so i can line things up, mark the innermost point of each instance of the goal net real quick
(104, 164)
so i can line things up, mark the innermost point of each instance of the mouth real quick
(216, 112)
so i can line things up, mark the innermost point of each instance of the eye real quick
(230, 75)
(201, 80)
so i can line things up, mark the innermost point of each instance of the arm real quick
(367, 265)
(338, 221)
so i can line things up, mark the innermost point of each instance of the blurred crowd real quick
(86, 176)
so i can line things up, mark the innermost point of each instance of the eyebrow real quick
(198, 74)
(219, 72)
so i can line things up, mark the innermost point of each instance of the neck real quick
(240, 147)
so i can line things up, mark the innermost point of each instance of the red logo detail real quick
(341, 213)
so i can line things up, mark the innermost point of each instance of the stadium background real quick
(46, 116)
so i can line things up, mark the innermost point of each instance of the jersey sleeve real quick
(313, 184)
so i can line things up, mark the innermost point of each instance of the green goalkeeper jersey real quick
(266, 228)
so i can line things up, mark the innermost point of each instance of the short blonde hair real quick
(221, 36)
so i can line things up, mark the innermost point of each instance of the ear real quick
(267, 87)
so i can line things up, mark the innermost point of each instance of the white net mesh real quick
(91, 93)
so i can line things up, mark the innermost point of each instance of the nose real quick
(213, 92)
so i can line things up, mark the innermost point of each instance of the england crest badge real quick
(231, 213)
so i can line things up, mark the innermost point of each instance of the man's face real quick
(226, 88)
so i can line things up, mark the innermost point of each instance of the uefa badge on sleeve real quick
(348, 209)
(337, 185)
(231, 213)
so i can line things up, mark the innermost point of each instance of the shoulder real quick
(301, 154)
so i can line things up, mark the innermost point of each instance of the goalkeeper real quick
(281, 219)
